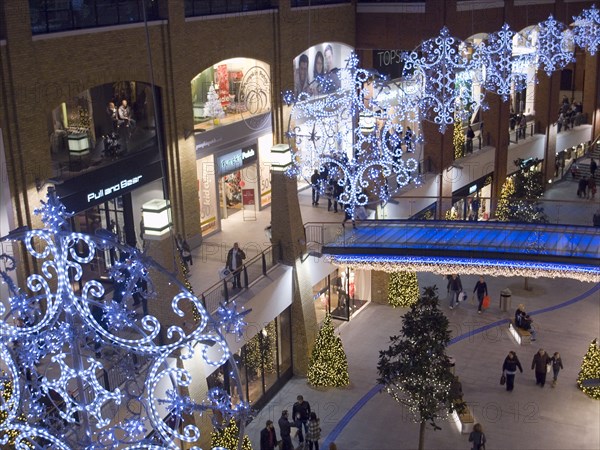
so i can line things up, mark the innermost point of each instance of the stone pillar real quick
(286, 219)
(495, 133)
(438, 155)
(380, 286)
(591, 92)
(547, 103)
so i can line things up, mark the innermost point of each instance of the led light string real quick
(55, 344)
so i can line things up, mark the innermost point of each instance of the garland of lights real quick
(468, 266)
(354, 139)
(89, 370)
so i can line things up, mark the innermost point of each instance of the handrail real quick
(250, 271)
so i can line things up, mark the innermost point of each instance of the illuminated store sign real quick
(123, 184)
(232, 161)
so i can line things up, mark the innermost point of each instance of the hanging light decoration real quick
(503, 70)
(89, 369)
(586, 29)
(436, 66)
(554, 45)
(353, 137)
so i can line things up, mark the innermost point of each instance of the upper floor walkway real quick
(494, 248)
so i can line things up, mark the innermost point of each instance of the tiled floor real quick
(528, 418)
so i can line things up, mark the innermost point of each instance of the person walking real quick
(482, 291)
(184, 250)
(582, 185)
(285, 431)
(314, 432)
(557, 364)
(315, 181)
(591, 188)
(235, 258)
(540, 363)
(454, 289)
(593, 167)
(301, 414)
(268, 437)
(509, 369)
(477, 437)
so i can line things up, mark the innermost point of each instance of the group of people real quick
(303, 420)
(567, 114)
(455, 291)
(521, 121)
(542, 363)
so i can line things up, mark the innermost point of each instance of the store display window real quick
(337, 294)
(101, 126)
(264, 362)
(230, 91)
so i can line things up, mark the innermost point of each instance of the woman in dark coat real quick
(509, 369)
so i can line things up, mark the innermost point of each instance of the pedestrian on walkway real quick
(470, 137)
(477, 437)
(481, 289)
(540, 363)
(301, 414)
(184, 250)
(556, 366)
(314, 432)
(454, 289)
(285, 429)
(268, 437)
(593, 167)
(315, 182)
(235, 258)
(582, 187)
(591, 188)
(509, 369)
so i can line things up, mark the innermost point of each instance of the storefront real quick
(112, 199)
(6, 221)
(264, 363)
(342, 293)
(233, 172)
(472, 202)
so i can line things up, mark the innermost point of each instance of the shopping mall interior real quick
(308, 132)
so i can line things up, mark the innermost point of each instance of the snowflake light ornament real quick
(436, 66)
(586, 29)
(90, 370)
(502, 69)
(554, 48)
(352, 138)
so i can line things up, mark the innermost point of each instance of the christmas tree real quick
(522, 200)
(503, 208)
(328, 365)
(458, 138)
(213, 107)
(404, 289)
(228, 438)
(260, 351)
(590, 370)
(415, 369)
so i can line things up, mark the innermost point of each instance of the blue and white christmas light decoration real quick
(90, 366)
(436, 65)
(554, 45)
(586, 29)
(354, 138)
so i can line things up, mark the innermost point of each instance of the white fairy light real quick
(61, 348)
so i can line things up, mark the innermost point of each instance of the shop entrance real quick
(231, 194)
(111, 216)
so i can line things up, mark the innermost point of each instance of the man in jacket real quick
(454, 289)
(301, 413)
(540, 363)
(235, 258)
(268, 437)
(285, 431)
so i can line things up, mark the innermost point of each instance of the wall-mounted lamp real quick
(281, 157)
(79, 144)
(157, 218)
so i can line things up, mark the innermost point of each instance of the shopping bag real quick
(463, 296)
(503, 380)
(486, 302)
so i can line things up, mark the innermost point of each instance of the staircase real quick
(583, 166)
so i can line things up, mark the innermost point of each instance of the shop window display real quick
(101, 125)
(242, 87)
